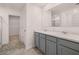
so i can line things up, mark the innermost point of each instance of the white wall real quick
(4, 13)
(46, 18)
(23, 25)
(33, 22)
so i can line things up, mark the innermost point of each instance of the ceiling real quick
(12, 4)
(21, 4)
(64, 7)
(40, 4)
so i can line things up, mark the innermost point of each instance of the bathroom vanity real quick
(51, 43)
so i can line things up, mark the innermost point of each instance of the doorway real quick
(14, 26)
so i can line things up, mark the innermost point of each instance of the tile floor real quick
(22, 51)
(16, 47)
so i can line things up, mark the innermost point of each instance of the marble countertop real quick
(67, 36)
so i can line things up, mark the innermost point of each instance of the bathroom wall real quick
(33, 17)
(23, 25)
(46, 18)
(4, 13)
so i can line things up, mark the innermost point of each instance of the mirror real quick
(56, 21)
(65, 15)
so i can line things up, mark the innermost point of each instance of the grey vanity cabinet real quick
(37, 42)
(37, 37)
(51, 45)
(42, 45)
(66, 51)
(40, 41)
(66, 47)
(50, 48)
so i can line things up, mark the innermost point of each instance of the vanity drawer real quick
(42, 35)
(51, 38)
(70, 44)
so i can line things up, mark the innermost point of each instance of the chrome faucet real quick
(64, 32)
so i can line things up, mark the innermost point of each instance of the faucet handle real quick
(64, 32)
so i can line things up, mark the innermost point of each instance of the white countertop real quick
(67, 36)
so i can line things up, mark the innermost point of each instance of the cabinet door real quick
(42, 35)
(37, 41)
(50, 48)
(42, 45)
(66, 51)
